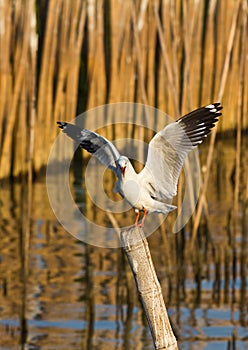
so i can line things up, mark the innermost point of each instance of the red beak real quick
(123, 169)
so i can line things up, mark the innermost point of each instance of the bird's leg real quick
(143, 219)
(137, 213)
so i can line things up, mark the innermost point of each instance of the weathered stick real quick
(150, 293)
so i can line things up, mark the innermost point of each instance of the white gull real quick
(149, 190)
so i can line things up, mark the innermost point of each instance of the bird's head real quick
(122, 164)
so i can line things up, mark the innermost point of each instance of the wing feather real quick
(94, 143)
(170, 146)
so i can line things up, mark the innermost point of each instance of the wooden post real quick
(137, 251)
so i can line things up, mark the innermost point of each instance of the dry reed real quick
(86, 53)
(160, 54)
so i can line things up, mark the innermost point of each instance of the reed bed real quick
(60, 58)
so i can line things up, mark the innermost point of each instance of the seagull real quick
(149, 190)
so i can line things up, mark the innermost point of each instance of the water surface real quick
(59, 293)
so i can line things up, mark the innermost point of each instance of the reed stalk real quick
(174, 55)
(214, 132)
(240, 109)
(166, 61)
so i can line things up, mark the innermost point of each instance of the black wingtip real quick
(198, 123)
(214, 107)
(62, 125)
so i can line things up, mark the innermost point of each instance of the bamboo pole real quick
(137, 251)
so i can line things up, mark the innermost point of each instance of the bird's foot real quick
(137, 212)
(137, 225)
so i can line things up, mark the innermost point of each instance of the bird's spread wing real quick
(170, 146)
(94, 143)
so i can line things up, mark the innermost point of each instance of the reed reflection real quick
(58, 292)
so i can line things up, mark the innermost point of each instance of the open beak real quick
(123, 169)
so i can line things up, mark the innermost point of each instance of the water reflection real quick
(59, 293)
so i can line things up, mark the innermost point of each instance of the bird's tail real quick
(165, 208)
